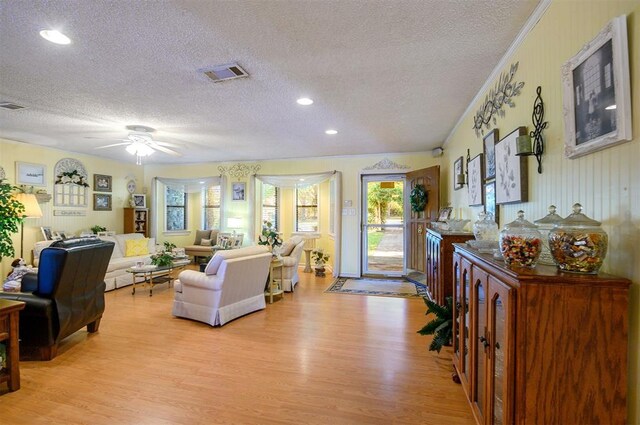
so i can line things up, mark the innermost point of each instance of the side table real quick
(275, 287)
(9, 318)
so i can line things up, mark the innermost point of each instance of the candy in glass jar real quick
(520, 242)
(578, 244)
(545, 225)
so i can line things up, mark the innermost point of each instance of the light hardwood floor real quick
(313, 358)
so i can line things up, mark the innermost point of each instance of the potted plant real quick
(95, 229)
(269, 236)
(441, 327)
(162, 259)
(319, 258)
(11, 215)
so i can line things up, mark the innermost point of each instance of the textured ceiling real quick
(390, 76)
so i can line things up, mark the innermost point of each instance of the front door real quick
(429, 178)
(383, 221)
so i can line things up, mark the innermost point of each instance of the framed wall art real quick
(46, 233)
(511, 170)
(475, 184)
(139, 200)
(30, 174)
(489, 149)
(458, 170)
(597, 93)
(101, 183)
(101, 202)
(490, 201)
(237, 191)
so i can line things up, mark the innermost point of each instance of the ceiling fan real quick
(140, 143)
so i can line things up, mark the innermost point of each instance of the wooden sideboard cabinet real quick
(538, 346)
(439, 253)
(136, 220)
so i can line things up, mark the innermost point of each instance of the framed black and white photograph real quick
(597, 93)
(489, 149)
(511, 170)
(30, 174)
(139, 200)
(46, 233)
(101, 183)
(475, 184)
(445, 213)
(237, 191)
(101, 202)
(458, 174)
(490, 201)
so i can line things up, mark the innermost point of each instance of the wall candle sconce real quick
(524, 145)
(463, 177)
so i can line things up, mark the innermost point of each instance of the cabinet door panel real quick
(465, 334)
(480, 342)
(501, 349)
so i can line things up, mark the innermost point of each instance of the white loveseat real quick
(117, 275)
(231, 286)
(290, 260)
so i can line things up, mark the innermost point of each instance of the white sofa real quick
(231, 286)
(117, 275)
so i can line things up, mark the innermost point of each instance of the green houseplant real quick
(162, 259)
(320, 259)
(441, 327)
(269, 236)
(11, 215)
(95, 229)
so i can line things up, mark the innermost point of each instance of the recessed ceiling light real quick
(55, 36)
(610, 107)
(331, 132)
(304, 101)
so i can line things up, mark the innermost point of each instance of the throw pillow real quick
(136, 247)
(287, 248)
(201, 234)
(205, 242)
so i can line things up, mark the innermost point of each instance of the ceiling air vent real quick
(226, 72)
(12, 106)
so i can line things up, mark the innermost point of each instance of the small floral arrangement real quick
(162, 259)
(71, 177)
(319, 257)
(269, 236)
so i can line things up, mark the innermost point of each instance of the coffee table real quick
(155, 275)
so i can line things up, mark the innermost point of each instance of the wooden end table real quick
(9, 318)
(275, 288)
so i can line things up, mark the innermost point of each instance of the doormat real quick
(399, 288)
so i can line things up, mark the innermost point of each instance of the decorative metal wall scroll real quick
(536, 135)
(239, 171)
(502, 94)
(386, 164)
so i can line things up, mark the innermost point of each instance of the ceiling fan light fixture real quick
(55, 36)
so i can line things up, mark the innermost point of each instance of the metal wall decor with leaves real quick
(239, 171)
(502, 94)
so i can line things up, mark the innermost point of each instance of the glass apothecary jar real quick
(578, 244)
(485, 229)
(520, 242)
(545, 225)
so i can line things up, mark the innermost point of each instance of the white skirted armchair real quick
(231, 286)
(291, 254)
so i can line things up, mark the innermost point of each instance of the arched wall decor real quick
(385, 165)
(70, 188)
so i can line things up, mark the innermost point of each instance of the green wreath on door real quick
(419, 198)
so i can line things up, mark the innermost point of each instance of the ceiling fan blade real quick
(113, 145)
(166, 144)
(165, 150)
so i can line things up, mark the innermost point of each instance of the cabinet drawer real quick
(4, 324)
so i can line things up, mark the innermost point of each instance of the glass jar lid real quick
(577, 219)
(520, 223)
(549, 219)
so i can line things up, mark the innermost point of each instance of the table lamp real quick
(31, 210)
(234, 223)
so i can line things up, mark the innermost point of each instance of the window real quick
(307, 209)
(176, 208)
(211, 207)
(270, 204)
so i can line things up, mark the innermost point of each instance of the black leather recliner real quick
(65, 295)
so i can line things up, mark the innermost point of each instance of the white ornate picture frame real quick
(597, 92)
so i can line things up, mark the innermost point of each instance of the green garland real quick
(418, 198)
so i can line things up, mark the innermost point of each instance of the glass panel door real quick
(383, 225)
